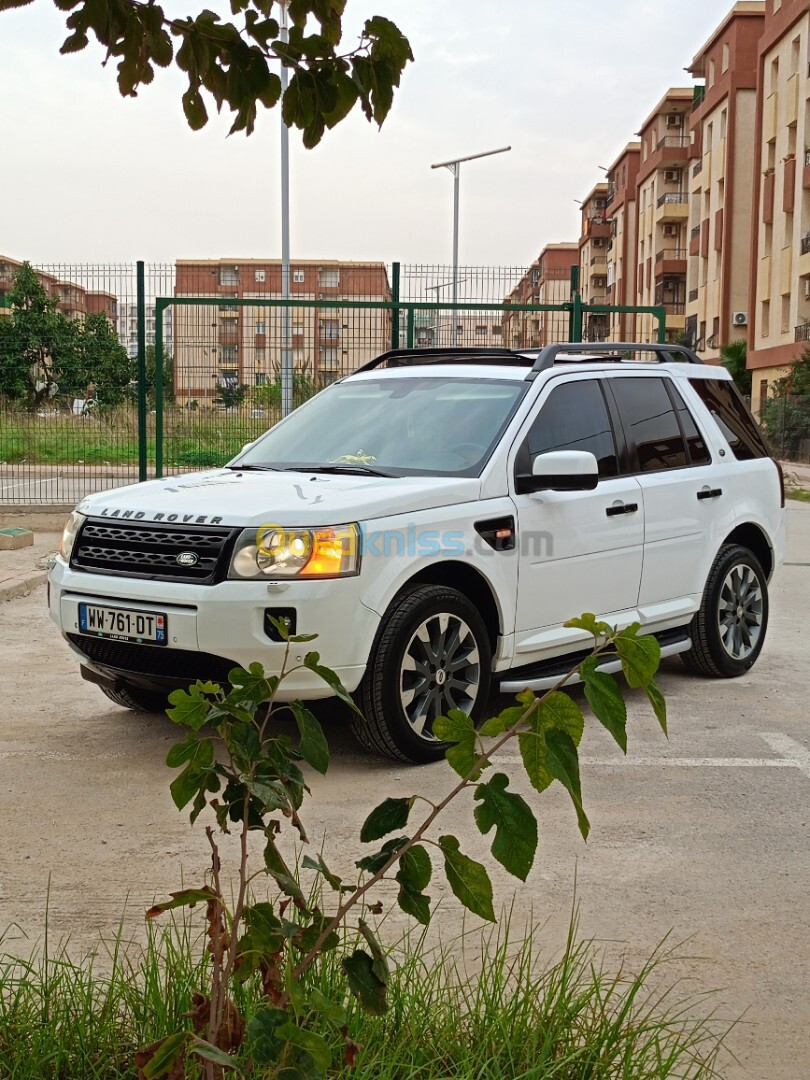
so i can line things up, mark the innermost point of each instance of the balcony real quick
(802, 333)
(670, 254)
(697, 167)
(673, 140)
(805, 244)
(693, 295)
(673, 198)
(672, 206)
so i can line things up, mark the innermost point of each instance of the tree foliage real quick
(248, 777)
(734, 358)
(786, 416)
(43, 352)
(235, 66)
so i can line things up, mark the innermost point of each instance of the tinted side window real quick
(698, 451)
(723, 401)
(650, 422)
(575, 417)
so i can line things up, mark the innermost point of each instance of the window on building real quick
(650, 418)
(298, 324)
(774, 74)
(329, 358)
(229, 275)
(298, 276)
(260, 275)
(261, 327)
(228, 354)
(575, 417)
(724, 64)
(496, 330)
(329, 329)
(710, 77)
(723, 123)
(785, 320)
(260, 354)
(228, 377)
(765, 319)
(481, 331)
(260, 378)
(795, 48)
(328, 279)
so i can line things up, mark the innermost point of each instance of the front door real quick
(579, 550)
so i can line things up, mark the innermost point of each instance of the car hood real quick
(229, 497)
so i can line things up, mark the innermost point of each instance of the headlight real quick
(271, 552)
(74, 523)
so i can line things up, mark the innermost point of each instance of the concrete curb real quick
(22, 584)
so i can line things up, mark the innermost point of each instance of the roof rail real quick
(664, 354)
(447, 355)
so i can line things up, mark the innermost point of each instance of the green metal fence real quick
(200, 345)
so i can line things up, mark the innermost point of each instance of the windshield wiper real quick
(352, 470)
(253, 468)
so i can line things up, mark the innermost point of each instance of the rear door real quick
(578, 550)
(685, 508)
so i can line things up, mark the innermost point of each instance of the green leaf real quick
(364, 983)
(605, 699)
(658, 704)
(375, 862)
(413, 875)
(591, 624)
(280, 872)
(316, 863)
(563, 763)
(196, 774)
(261, 1037)
(209, 1052)
(194, 109)
(534, 753)
(166, 1054)
(312, 661)
(380, 967)
(191, 707)
(468, 879)
(313, 747)
(561, 713)
(458, 728)
(389, 815)
(515, 841)
(640, 656)
(251, 684)
(497, 725)
(317, 1047)
(330, 1010)
(183, 898)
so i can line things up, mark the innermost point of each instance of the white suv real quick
(435, 518)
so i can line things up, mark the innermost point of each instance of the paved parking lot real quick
(706, 835)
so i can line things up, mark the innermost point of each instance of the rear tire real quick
(728, 631)
(136, 699)
(432, 653)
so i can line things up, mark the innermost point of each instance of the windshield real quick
(393, 426)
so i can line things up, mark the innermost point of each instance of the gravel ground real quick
(706, 836)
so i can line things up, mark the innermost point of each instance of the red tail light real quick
(781, 482)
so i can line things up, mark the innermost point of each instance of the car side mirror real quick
(561, 470)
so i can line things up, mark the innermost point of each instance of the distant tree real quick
(168, 375)
(103, 368)
(38, 344)
(734, 358)
(234, 64)
(232, 397)
(786, 415)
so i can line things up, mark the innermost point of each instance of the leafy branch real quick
(234, 65)
(236, 765)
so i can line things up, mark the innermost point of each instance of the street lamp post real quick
(286, 319)
(455, 168)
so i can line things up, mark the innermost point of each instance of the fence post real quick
(159, 309)
(141, 371)
(395, 311)
(409, 337)
(574, 294)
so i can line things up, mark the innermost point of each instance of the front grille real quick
(182, 666)
(147, 550)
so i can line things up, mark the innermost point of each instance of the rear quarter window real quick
(732, 416)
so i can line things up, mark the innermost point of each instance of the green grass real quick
(569, 1019)
(797, 493)
(191, 438)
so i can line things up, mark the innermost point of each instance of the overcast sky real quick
(88, 176)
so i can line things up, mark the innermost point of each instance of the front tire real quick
(728, 631)
(432, 653)
(136, 699)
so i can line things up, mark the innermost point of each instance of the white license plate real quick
(123, 624)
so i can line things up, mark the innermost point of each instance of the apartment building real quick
(593, 252)
(663, 213)
(622, 177)
(779, 300)
(547, 281)
(234, 345)
(75, 301)
(128, 327)
(473, 328)
(720, 182)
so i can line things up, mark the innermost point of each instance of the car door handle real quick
(621, 508)
(710, 493)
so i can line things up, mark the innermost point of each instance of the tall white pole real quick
(286, 319)
(454, 326)
(455, 168)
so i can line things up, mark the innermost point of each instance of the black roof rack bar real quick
(665, 354)
(405, 357)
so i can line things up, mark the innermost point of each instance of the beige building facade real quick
(622, 258)
(547, 281)
(229, 344)
(593, 254)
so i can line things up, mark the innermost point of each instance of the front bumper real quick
(212, 629)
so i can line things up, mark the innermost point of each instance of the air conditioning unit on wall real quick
(672, 176)
(674, 120)
(672, 230)
(740, 318)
